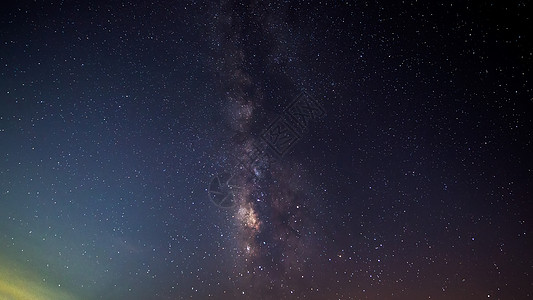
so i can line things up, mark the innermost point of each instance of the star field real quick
(367, 150)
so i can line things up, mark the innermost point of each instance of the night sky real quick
(266, 150)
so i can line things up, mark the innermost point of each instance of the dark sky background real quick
(116, 116)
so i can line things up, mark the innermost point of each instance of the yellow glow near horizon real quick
(18, 283)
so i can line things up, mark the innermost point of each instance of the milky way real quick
(274, 225)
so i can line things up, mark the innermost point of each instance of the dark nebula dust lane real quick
(266, 150)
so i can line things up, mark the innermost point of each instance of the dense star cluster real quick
(266, 150)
